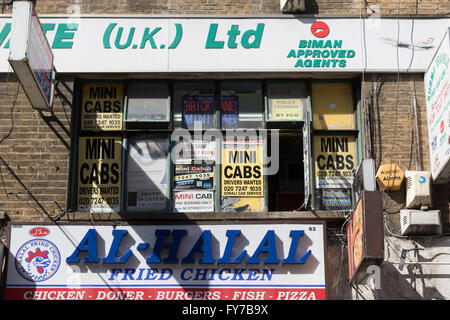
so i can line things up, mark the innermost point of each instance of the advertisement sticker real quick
(191, 176)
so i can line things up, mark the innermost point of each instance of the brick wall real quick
(255, 7)
(392, 135)
(35, 148)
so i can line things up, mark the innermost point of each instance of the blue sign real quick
(203, 246)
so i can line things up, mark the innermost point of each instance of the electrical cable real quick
(3, 162)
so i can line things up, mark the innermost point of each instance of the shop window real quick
(148, 173)
(332, 105)
(247, 98)
(334, 145)
(148, 105)
(286, 104)
(99, 146)
(126, 151)
(335, 160)
(194, 101)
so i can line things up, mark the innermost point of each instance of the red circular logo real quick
(320, 29)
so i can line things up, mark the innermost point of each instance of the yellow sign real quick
(242, 169)
(332, 106)
(390, 177)
(286, 109)
(335, 158)
(99, 174)
(102, 106)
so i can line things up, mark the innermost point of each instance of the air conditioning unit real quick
(292, 6)
(418, 189)
(418, 222)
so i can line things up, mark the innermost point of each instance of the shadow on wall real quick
(311, 6)
(338, 287)
(395, 285)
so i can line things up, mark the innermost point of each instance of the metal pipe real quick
(416, 134)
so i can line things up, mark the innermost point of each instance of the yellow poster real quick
(102, 106)
(286, 109)
(99, 174)
(335, 160)
(242, 169)
(332, 106)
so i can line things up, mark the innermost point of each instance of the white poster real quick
(147, 173)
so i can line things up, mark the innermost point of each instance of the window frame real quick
(126, 131)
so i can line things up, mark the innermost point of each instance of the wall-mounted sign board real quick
(238, 261)
(143, 43)
(437, 94)
(31, 56)
(365, 235)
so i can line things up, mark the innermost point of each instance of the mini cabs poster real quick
(102, 106)
(99, 174)
(242, 168)
(335, 160)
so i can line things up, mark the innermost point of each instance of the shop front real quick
(197, 143)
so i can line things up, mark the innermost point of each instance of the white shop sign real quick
(143, 43)
(219, 261)
(437, 96)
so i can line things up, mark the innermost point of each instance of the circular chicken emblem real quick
(37, 260)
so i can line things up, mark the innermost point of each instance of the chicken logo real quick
(37, 260)
(320, 29)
